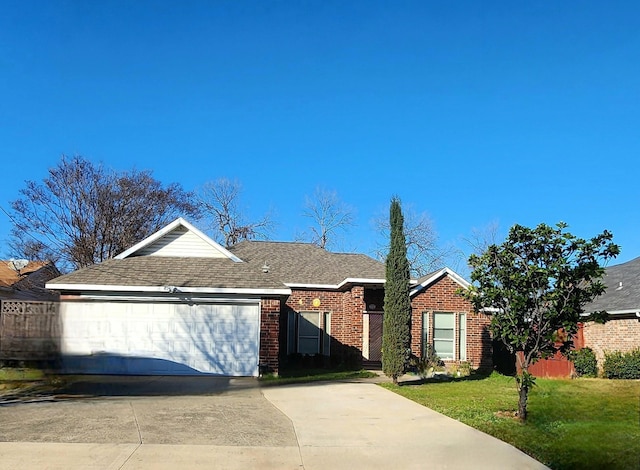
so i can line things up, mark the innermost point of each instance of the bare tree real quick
(220, 204)
(423, 252)
(476, 243)
(82, 213)
(329, 216)
(482, 238)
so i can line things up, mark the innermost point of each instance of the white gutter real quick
(174, 298)
(616, 312)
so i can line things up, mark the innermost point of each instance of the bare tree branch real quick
(220, 204)
(82, 214)
(423, 251)
(329, 216)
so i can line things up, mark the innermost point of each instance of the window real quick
(462, 334)
(443, 335)
(425, 333)
(449, 339)
(309, 333)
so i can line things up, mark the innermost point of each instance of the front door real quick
(372, 351)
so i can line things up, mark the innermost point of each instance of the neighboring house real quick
(22, 280)
(179, 303)
(29, 327)
(621, 300)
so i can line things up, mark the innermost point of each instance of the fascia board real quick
(174, 298)
(357, 280)
(165, 289)
(615, 312)
(349, 280)
(437, 275)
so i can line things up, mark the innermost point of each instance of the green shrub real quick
(425, 365)
(619, 365)
(584, 360)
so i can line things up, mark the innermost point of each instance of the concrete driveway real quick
(135, 423)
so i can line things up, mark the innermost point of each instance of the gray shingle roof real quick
(623, 288)
(298, 263)
(305, 263)
(162, 271)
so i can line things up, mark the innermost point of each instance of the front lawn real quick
(572, 424)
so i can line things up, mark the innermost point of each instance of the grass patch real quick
(13, 374)
(314, 375)
(572, 424)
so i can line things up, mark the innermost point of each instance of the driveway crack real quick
(135, 419)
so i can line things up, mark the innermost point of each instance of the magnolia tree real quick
(535, 285)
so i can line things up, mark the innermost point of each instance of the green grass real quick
(13, 374)
(572, 424)
(314, 375)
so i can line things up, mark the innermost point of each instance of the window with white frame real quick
(444, 335)
(462, 336)
(448, 334)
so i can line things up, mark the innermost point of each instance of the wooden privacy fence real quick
(29, 331)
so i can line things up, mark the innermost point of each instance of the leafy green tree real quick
(396, 336)
(535, 285)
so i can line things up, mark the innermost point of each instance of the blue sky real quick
(471, 112)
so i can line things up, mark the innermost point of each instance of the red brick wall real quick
(346, 315)
(618, 334)
(269, 334)
(441, 296)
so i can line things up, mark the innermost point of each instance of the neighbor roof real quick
(623, 289)
(9, 276)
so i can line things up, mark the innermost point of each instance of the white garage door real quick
(160, 338)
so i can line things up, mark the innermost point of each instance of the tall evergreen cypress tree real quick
(396, 336)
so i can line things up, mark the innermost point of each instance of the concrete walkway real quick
(361, 425)
(350, 426)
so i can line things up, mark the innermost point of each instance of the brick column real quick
(269, 334)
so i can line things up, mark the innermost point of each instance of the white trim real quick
(167, 289)
(172, 226)
(437, 275)
(136, 298)
(349, 280)
(615, 312)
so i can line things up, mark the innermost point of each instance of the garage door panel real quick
(161, 338)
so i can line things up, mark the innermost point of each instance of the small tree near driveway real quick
(396, 331)
(535, 285)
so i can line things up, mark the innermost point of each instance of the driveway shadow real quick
(133, 386)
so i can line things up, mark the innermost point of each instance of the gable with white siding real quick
(179, 239)
(181, 242)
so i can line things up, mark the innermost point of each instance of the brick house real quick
(621, 300)
(179, 303)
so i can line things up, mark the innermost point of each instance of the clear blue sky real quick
(472, 112)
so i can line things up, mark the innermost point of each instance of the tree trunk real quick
(523, 393)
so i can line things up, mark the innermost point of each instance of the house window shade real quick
(309, 333)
